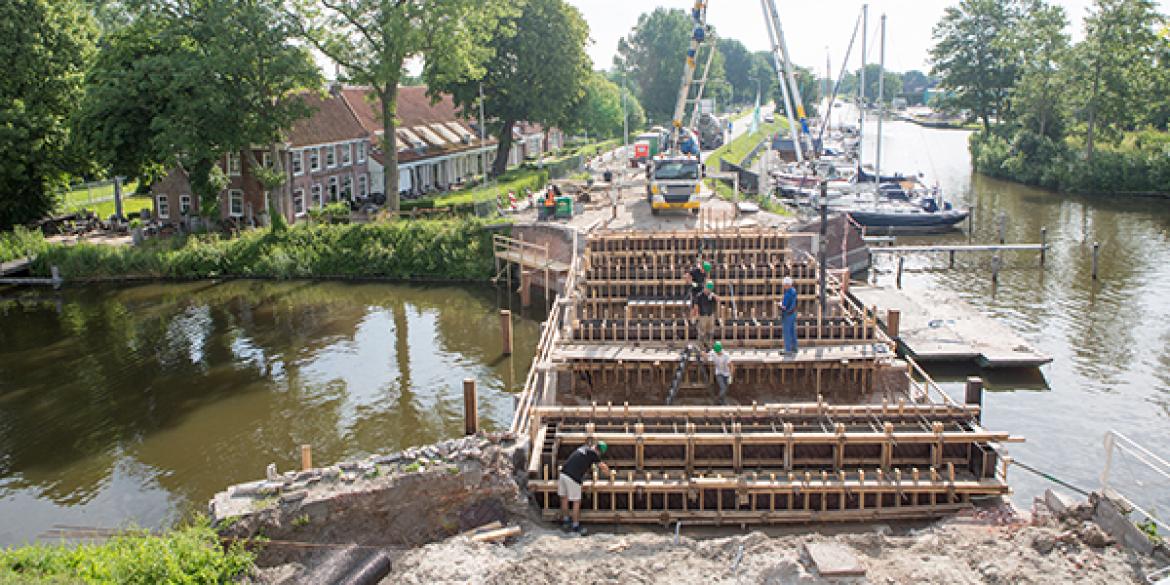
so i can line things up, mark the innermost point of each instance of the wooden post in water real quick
(1096, 250)
(506, 330)
(893, 322)
(1043, 244)
(306, 457)
(970, 224)
(525, 288)
(974, 395)
(470, 408)
(1002, 227)
(952, 258)
(995, 264)
(898, 278)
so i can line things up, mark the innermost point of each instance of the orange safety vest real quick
(548, 200)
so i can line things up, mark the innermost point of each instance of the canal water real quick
(1110, 339)
(135, 404)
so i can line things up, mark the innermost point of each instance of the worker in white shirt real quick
(723, 370)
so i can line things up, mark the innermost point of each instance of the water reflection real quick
(164, 394)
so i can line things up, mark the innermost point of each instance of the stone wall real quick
(399, 500)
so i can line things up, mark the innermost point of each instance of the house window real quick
(233, 164)
(346, 154)
(333, 188)
(363, 190)
(314, 160)
(330, 156)
(347, 187)
(266, 160)
(299, 201)
(298, 162)
(164, 207)
(235, 202)
(184, 204)
(361, 152)
(315, 197)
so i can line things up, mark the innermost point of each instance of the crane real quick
(676, 175)
(789, 89)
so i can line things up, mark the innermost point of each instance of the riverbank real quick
(436, 248)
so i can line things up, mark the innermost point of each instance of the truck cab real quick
(675, 181)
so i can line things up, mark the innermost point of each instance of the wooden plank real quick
(497, 535)
(853, 352)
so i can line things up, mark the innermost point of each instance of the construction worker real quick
(723, 370)
(550, 203)
(570, 478)
(698, 274)
(788, 316)
(703, 309)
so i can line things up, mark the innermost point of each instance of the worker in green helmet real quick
(703, 309)
(569, 481)
(724, 370)
(698, 274)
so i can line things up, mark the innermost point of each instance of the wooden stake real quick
(306, 457)
(470, 408)
(506, 330)
(1043, 244)
(1096, 250)
(898, 278)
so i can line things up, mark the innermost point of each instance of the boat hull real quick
(909, 223)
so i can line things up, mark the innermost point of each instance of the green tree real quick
(1039, 97)
(654, 55)
(1117, 63)
(373, 39)
(973, 56)
(599, 113)
(538, 74)
(737, 67)
(47, 46)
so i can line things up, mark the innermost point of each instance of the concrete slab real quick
(834, 560)
(937, 325)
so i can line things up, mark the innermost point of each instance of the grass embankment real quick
(21, 243)
(1138, 163)
(191, 554)
(735, 151)
(525, 177)
(100, 200)
(459, 249)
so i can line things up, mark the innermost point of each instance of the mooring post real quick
(56, 276)
(306, 457)
(1002, 227)
(506, 330)
(893, 323)
(470, 408)
(952, 258)
(1043, 244)
(1096, 250)
(970, 223)
(975, 394)
(995, 265)
(898, 278)
(525, 288)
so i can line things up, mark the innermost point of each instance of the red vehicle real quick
(641, 154)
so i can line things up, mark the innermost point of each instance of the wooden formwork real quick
(692, 241)
(730, 272)
(760, 332)
(771, 464)
(740, 306)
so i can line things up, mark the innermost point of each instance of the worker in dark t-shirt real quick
(570, 478)
(703, 308)
(698, 274)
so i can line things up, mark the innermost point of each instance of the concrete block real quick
(1121, 528)
(834, 560)
(1058, 502)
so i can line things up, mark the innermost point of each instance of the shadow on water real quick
(127, 403)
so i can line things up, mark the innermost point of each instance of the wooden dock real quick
(15, 266)
(937, 325)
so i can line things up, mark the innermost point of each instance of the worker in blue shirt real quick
(788, 316)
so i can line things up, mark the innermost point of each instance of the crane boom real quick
(698, 37)
(779, 54)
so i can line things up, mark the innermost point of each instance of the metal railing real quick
(1115, 441)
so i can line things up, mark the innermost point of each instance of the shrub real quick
(191, 554)
(20, 243)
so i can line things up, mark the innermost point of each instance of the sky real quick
(809, 27)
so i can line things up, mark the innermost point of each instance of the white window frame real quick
(346, 191)
(314, 159)
(361, 152)
(298, 163)
(315, 196)
(163, 202)
(184, 204)
(346, 154)
(331, 157)
(266, 160)
(298, 202)
(235, 166)
(334, 189)
(363, 186)
(233, 195)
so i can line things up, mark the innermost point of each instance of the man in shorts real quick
(570, 478)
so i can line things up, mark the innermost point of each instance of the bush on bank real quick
(186, 555)
(20, 243)
(1138, 164)
(446, 248)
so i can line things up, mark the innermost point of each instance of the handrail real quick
(1115, 440)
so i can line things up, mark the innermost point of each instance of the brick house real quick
(326, 159)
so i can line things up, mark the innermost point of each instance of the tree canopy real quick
(537, 73)
(371, 40)
(599, 113)
(47, 46)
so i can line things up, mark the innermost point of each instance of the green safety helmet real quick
(718, 347)
(710, 285)
(601, 446)
(706, 267)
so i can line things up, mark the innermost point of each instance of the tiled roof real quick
(331, 121)
(438, 127)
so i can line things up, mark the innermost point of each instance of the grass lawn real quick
(100, 200)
